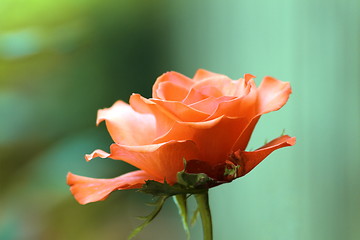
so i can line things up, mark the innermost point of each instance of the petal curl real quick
(248, 77)
(173, 77)
(162, 160)
(86, 190)
(273, 94)
(97, 153)
(217, 85)
(127, 126)
(203, 74)
(245, 105)
(252, 159)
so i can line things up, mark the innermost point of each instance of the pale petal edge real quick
(97, 153)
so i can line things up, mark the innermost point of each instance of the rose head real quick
(206, 120)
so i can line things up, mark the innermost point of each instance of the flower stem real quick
(202, 200)
(180, 200)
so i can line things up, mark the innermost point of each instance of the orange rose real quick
(207, 120)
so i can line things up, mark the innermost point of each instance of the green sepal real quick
(232, 171)
(188, 183)
(194, 180)
(159, 204)
(160, 189)
(180, 201)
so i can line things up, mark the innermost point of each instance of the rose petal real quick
(181, 111)
(207, 105)
(86, 190)
(212, 86)
(164, 118)
(273, 94)
(171, 91)
(127, 126)
(213, 138)
(97, 153)
(202, 74)
(210, 104)
(173, 77)
(243, 140)
(248, 77)
(244, 105)
(194, 96)
(252, 159)
(227, 86)
(162, 160)
(220, 85)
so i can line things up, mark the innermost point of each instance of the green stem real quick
(202, 200)
(180, 200)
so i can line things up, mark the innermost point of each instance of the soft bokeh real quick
(60, 61)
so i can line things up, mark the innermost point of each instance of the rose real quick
(207, 120)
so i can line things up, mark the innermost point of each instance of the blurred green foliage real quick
(61, 61)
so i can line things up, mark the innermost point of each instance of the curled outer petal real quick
(86, 190)
(162, 161)
(273, 94)
(127, 126)
(249, 160)
(169, 82)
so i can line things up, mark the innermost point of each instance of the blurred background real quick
(60, 61)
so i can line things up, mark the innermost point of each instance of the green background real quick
(60, 61)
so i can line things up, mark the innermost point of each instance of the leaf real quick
(159, 204)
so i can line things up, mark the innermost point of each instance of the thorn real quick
(282, 133)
